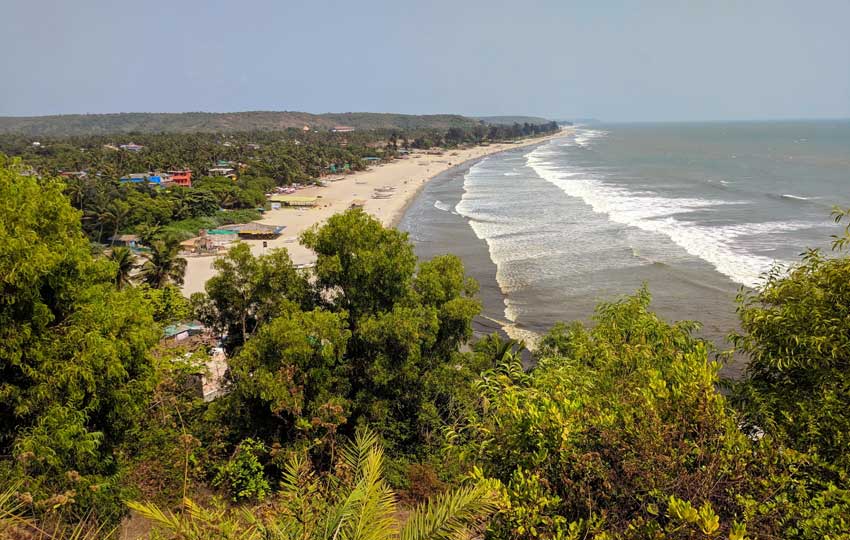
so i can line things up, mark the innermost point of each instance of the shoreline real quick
(435, 231)
(407, 176)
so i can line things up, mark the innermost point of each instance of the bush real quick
(243, 476)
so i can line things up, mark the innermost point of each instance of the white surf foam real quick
(662, 215)
(440, 205)
(584, 137)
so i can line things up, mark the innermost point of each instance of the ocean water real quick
(694, 211)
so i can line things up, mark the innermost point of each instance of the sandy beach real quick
(407, 175)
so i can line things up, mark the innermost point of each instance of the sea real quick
(696, 212)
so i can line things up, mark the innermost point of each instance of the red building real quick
(181, 178)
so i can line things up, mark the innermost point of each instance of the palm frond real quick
(355, 452)
(452, 514)
(154, 513)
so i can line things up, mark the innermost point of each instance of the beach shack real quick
(214, 239)
(253, 231)
(294, 201)
(189, 246)
(181, 331)
(128, 240)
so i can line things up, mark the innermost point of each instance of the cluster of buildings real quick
(182, 178)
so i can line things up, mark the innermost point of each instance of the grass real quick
(188, 228)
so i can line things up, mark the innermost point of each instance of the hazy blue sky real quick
(614, 60)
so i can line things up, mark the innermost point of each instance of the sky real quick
(612, 60)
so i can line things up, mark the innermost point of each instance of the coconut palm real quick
(357, 505)
(164, 265)
(148, 232)
(125, 262)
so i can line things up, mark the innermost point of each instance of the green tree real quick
(248, 291)
(125, 263)
(796, 335)
(398, 364)
(164, 265)
(74, 365)
(602, 436)
(290, 380)
(369, 267)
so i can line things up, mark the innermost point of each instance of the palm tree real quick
(359, 506)
(499, 350)
(125, 263)
(148, 232)
(164, 265)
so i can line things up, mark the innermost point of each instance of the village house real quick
(226, 172)
(182, 177)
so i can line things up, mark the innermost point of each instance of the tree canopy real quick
(74, 365)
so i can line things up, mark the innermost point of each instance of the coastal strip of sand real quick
(401, 178)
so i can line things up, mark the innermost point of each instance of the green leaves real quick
(74, 366)
(369, 267)
(597, 438)
(367, 341)
(355, 504)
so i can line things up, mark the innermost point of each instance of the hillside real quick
(510, 120)
(101, 124)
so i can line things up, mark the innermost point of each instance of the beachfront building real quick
(209, 241)
(294, 202)
(255, 230)
(128, 240)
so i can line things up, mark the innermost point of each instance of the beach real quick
(406, 175)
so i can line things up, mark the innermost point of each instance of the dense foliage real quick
(355, 502)
(372, 339)
(619, 432)
(797, 337)
(74, 366)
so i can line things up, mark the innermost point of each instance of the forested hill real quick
(510, 120)
(193, 122)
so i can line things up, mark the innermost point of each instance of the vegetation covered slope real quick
(509, 120)
(194, 122)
